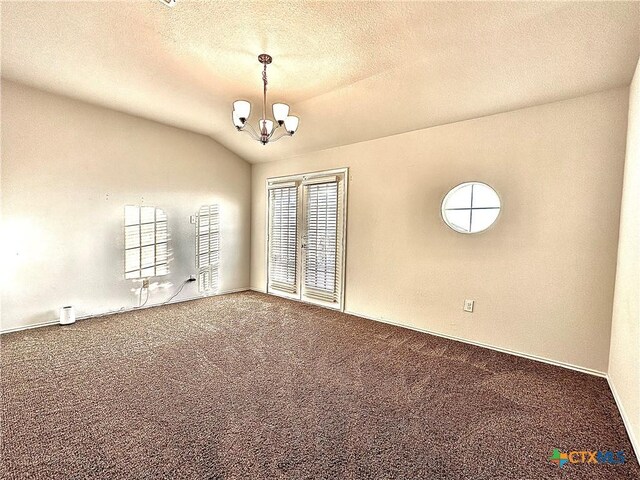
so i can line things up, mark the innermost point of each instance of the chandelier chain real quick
(264, 97)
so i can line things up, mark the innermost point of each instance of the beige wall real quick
(624, 359)
(542, 277)
(68, 169)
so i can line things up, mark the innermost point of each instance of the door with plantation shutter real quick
(322, 240)
(306, 237)
(283, 275)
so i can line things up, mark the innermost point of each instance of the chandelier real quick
(264, 134)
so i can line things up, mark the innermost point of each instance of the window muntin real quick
(471, 207)
(146, 239)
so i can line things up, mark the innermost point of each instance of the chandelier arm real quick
(283, 134)
(277, 126)
(253, 132)
(251, 135)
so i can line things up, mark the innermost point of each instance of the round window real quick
(471, 207)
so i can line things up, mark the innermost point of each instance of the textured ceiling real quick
(353, 71)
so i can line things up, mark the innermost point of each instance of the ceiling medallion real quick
(264, 134)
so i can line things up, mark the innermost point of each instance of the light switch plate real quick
(468, 305)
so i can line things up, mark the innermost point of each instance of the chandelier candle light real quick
(242, 109)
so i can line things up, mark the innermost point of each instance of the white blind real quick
(208, 247)
(321, 243)
(146, 239)
(283, 208)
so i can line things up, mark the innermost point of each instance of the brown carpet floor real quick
(253, 386)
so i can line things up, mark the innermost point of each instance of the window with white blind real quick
(208, 248)
(306, 237)
(283, 238)
(146, 242)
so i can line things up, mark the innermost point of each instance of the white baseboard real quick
(123, 310)
(29, 327)
(529, 356)
(625, 419)
(537, 358)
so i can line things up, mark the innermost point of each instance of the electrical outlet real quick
(145, 283)
(468, 306)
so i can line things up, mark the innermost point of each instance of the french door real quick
(306, 237)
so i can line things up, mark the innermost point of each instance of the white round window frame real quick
(457, 187)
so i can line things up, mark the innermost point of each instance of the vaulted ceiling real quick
(352, 71)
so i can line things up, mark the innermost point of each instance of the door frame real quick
(298, 179)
